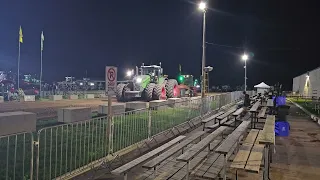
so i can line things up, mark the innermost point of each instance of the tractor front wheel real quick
(120, 93)
(148, 91)
(172, 88)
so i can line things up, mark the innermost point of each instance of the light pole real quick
(203, 8)
(245, 58)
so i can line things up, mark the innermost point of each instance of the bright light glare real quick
(202, 6)
(91, 84)
(244, 57)
(81, 84)
(139, 80)
(197, 86)
(129, 73)
(307, 76)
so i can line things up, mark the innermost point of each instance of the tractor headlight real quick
(138, 80)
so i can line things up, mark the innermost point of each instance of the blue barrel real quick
(282, 128)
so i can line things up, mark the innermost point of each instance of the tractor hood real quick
(141, 80)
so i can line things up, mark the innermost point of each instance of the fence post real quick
(149, 123)
(110, 125)
(37, 144)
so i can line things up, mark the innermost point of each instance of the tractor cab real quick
(153, 71)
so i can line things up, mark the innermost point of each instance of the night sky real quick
(88, 35)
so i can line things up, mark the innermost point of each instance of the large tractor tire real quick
(159, 92)
(121, 88)
(172, 88)
(148, 91)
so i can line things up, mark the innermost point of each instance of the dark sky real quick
(87, 35)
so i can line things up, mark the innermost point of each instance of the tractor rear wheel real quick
(120, 93)
(172, 88)
(159, 92)
(148, 91)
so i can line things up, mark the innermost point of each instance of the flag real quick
(20, 35)
(42, 40)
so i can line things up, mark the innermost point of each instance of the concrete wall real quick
(17, 122)
(307, 84)
(29, 98)
(115, 108)
(56, 97)
(74, 114)
(1, 99)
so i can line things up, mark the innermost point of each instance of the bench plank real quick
(215, 169)
(206, 165)
(195, 149)
(262, 112)
(226, 114)
(173, 150)
(238, 112)
(255, 107)
(212, 117)
(254, 160)
(267, 134)
(241, 158)
(251, 138)
(228, 143)
(127, 167)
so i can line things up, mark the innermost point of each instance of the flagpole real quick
(40, 71)
(19, 66)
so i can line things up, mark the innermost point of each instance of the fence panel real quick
(67, 147)
(130, 128)
(16, 156)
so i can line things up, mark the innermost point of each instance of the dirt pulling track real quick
(48, 109)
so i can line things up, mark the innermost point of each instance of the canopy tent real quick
(262, 87)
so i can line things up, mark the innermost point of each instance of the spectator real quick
(246, 102)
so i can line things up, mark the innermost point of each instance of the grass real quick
(66, 147)
(308, 104)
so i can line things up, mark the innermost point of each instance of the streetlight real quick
(203, 8)
(245, 58)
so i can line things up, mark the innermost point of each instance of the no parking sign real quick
(111, 80)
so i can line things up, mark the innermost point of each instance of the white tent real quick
(262, 87)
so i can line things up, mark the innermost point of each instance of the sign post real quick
(111, 87)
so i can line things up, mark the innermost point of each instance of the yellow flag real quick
(20, 35)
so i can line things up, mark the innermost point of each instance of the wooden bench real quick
(204, 121)
(254, 111)
(236, 114)
(212, 166)
(199, 147)
(228, 144)
(262, 113)
(123, 170)
(249, 156)
(267, 138)
(225, 115)
(195, 155)
(152, 164)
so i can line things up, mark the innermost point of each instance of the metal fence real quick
(64, 150)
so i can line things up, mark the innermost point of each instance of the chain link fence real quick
(68, 149)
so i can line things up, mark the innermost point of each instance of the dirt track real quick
(48, 109)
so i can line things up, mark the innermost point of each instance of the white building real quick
(307, 84)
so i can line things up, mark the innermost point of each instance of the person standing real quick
(246, 102)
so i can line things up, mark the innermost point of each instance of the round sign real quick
(111, 74)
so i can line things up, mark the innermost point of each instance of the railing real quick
(16, 156)
(69, 149)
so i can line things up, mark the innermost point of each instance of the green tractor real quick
(149, 85)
